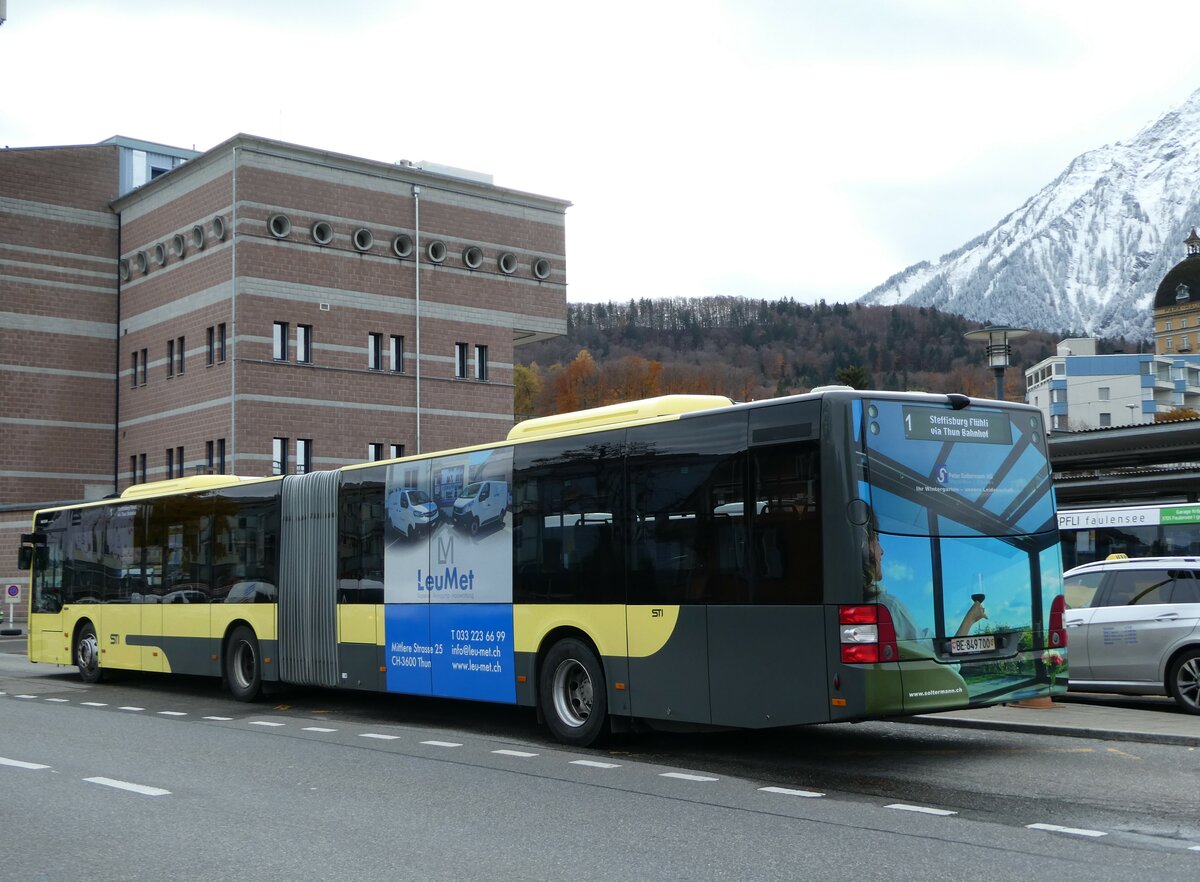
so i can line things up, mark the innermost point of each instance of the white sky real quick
(766, 148)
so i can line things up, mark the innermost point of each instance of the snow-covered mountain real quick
(1086, 253)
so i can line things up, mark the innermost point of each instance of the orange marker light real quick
(620, 687)
(521, 678)
(838, 702)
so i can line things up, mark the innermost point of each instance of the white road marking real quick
(442, 743)
(925, 810)
(808, 794)
(59, 700)
(131, 708)
(1194, 848)
(685, 777)
(126, 785)
(317, 729)
(20, 764)
(265, 723)
(93, 704)
(24, 696)
(1074, 831)
(173, 713)
(378, 736)
(222, 719)
(523, 754)
(595, 765)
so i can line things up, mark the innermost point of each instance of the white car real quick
(480, 504)
(411, 511)
(1133, 627)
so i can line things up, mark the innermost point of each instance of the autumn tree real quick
(527, 388)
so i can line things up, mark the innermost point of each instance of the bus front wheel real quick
(572, 693)
(87, 654)
(243, 666)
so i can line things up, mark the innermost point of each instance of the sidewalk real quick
(1092, 717)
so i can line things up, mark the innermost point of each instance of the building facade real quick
(1078, 389)
(258, 308)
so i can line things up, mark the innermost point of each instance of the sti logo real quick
(941, 473)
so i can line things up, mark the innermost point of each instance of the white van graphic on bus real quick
(480, 504)
(411, 511)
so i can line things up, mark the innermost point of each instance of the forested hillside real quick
(750, 349)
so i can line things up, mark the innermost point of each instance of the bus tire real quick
(1184, 681)
(87, 654)
(572, 693)
(243, 664)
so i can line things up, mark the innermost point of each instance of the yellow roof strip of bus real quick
(614, 414)
(180, 485)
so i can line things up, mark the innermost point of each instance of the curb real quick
(1068, 731)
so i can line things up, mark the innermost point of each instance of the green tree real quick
(855, 376)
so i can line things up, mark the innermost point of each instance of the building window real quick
(397, 354)
(210, 346)
(145, 366)
(136, 358)
(481, 363)
(1105, 419)
(179, 350)
(220, 456)
(303, 456)
(170, 358)
(221, 342)
(460, 360)
(179, 461)
(209, 458)
(304, 344)
(1103, 392)
(1058, 421)
(1170, 342)
(280, 342)
(1058, 396)
(1060, 369)
(1168, 327)
(133, 468)
(395, 451)
(375, 352)
(374, 452)
(279, 448)
(142, 467)
(170, 462)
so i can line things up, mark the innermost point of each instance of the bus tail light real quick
(868, 635)
(1058, 634)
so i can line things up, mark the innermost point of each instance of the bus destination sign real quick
(939, 424)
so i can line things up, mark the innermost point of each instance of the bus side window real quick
(786, 526)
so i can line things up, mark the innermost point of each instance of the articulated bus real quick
(1170, 529)
(677, 562)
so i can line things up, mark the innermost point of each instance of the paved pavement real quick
(1109, 717)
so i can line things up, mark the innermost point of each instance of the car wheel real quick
(1184, 681)
(243, 667)
(87, 654)
(572, 693)
(474, 526)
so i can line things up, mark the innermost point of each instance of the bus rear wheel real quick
(243, 666)
(87, 654)
(572, 693)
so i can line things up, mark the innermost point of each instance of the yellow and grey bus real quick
(681, 561)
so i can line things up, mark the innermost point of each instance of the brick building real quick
(257, 308)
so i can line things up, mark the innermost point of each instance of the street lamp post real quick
(997, 340)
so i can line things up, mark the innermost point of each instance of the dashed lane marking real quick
(220, 719)
(131, 708)
(379, 737)
(318, 729)
(127, 785)
(523, 754)
(442, 743)
(172, 713)
(924, 810)
(593, 764)
(1071, 831)
(93, 704)
(683, 776)
(807, 794)
(21, 764)
(59, 700)
(270, 723)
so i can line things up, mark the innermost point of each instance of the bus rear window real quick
(933, 470)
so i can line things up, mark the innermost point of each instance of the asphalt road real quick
(158, 777)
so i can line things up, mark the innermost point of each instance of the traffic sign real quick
(14, 590)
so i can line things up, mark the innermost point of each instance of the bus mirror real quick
(24, 557)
